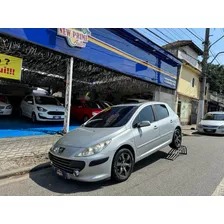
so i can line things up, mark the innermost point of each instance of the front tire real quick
(122, 166)
(177, 139)
(34, 119)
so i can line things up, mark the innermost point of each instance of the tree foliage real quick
(215, 74)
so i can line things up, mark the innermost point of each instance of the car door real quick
(29, 105)
(146, 138)
(165, 123)
(24, 106)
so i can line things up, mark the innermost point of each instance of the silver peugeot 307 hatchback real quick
(109, 144)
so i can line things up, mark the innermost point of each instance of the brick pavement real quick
(25, 151)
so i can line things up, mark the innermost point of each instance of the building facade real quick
(125, 51)
(188, 86)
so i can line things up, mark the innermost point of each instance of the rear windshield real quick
(214, 117)
(43, 100)
(112, 117)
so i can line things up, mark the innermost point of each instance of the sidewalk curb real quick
(23, 170)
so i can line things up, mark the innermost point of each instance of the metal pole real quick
(68, 94)
(203, 76)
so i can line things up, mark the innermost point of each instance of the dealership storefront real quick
(122, 60)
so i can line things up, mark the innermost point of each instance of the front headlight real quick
(94, 149)
(41, 109)
(9, 107)
(221, 127)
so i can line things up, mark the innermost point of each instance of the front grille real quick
(209, 131)
(209, 126)
(56, 113)
(66, 164)
(2, 107)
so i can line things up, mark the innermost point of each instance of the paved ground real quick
(198, 173)
(25, 151)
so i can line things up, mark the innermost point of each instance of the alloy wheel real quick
(123, 165)
(177, 138)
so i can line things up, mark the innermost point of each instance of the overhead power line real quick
(157, 35)
(177, 34)
(164, 35)
(193, 34)
(168, 42)
(184, 33)
(196, 34)
(168, 30)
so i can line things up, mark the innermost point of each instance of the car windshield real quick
(214, 117)
(3, 99)
(112, 117)
(43, 100)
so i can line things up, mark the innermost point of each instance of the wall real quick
(185, 114)
(190, 56)
(165, 97)
(184, 85)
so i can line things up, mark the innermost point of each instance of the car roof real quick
(142, 103)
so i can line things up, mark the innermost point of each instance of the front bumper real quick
(6, 112)
(212, 131)
(90, 169)
(47, 117)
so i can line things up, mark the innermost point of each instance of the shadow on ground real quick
(49, 180)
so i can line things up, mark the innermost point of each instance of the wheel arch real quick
(127, 146)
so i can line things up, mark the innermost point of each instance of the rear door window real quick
(161, 111)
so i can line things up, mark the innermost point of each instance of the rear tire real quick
(34, 119)
(177, 139)
(122, 166)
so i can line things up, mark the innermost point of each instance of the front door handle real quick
(171, 121)
(155, 127)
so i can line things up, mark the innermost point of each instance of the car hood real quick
(52, 107)
(211, 123)
(4, 104)
(83, 137)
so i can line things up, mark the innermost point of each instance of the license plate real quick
(59, 173)
(57, 117)
(209, 130)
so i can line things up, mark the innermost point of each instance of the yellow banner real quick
(10, 67)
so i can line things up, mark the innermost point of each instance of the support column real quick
(68, 95)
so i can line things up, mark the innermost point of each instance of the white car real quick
(42, 108)
(212, 123)
(5, 106)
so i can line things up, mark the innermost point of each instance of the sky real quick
(174, 34)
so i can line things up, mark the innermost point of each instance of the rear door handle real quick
(155, 127)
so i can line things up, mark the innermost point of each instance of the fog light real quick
(76, 173)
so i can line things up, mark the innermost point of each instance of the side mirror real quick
(143, 124)
(30, 102)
